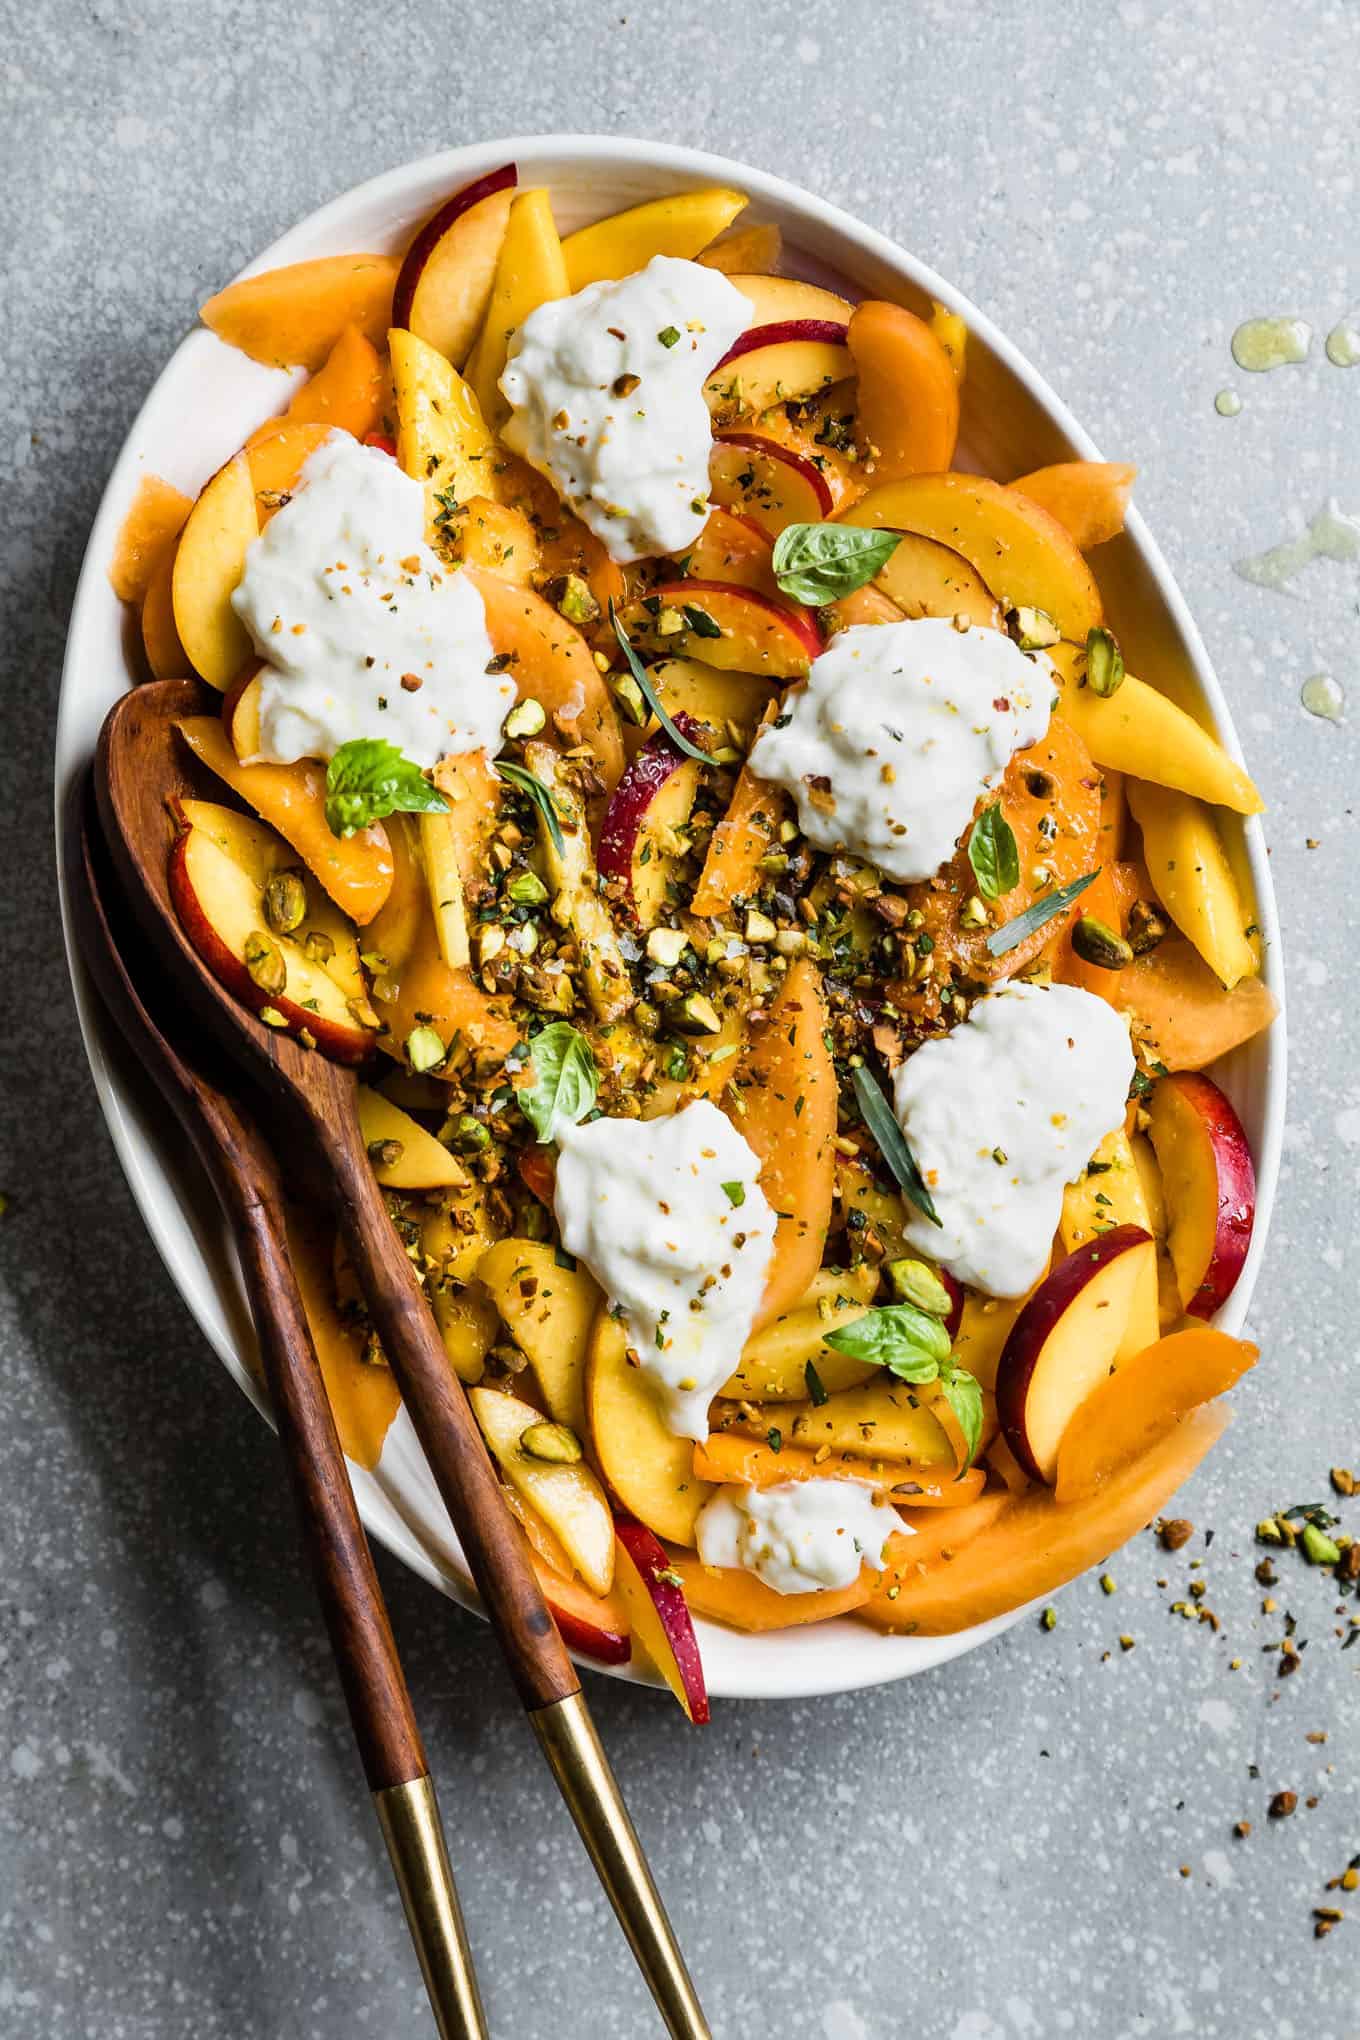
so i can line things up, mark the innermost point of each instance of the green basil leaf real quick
(566, 1080)
(818, 562)
(1012, 933)
(907, 1341)
(526, 782)
(816, 1387)
(369, 778)
(892, 1143)
(650, 695)
(964, 1395)
(993, 854)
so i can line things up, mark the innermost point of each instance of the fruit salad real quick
(783, 946)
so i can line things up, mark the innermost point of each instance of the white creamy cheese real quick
(1000, 1114)
(365, 633)
(897, 732)
(802, 1537)
(606, 390)
(669, 1217)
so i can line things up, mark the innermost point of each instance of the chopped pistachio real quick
(759, 927)
(264, 961)
(526, 718)
(424, 1049)
(697, 1015)
(556, 1443)
(666, 946)
(577, 602)
(916, 1283)
(527, 889)
(1035, 629)
(1318, 1547)
(1097, 943)
(385, 1154)
(285, 902)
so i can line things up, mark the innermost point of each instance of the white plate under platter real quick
(205, 402)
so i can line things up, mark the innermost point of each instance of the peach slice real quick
(548, 1311)
(736, 628)
(865, 605)
(276, 460)
(792, 361)
(908, 393)
(346, 394)
(1111, 1194)
(444, 285)
(1194, 881)
(165, 655)
(647, 808)
(220, 863)
(783, 1101)
(568, 1497)
(355, 870)
(209, 562)
(593, 1626)
(785, 300)
(740, 1600)
(924, 578)
(292, 317)
(364, 1399)
(649, 1469)
(1140, 732)
(774, 1360)
(679, 225)
(1088, 497)
(984, 1326)
(658, 1615)
(884, 1420)
(1133, 1408)
(154, 521)
(530, 271)
(1032, 1545)
(768, 483)
(708, 695)
(1210, 1186)
(728, 1457)
(442, 437)
(1065, 1341)
(403, 1154)
(1021, 552)
(550, 661)
(428, 993)
(747, 250)
(403, 916)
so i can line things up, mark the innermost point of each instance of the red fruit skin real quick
(807, 470)
(1029, 1334)
(433, 232)
(648, 1554)
(1236, 1190)
(606, 1646)
(830, 330)
(632, 797)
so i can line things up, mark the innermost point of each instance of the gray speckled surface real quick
(185, 1845)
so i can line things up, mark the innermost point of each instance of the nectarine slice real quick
(908, 398)
(760, 479)
(165, 655)
(884, 1419)
(1134, 1407)
(789, 362)
(1021, 552)
(658, 1615)
(1088, 497)
(775, 1359)
(1209, 1183)
(1111, 1194)
(589, 1624)
(1065, 1342)
(530, 271)
(455, 1233)
(443, 441)
(355, 870)
(649, 1469)
(548, 1311)
(444, 286)
(209, 561)
(725, 626)
(1033, 1545)
(924, 578)
(404, 1156)
(568, 1497)
(707, 694)
(679, 225)
(292, 317)
(784, 1102)
(746, 250)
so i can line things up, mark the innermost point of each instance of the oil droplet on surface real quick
(1261, 344)
(1321, 695)
(1343, 345)
(1332, 535)
(1227, 403)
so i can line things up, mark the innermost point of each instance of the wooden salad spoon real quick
(247, 1181)
(141, 766)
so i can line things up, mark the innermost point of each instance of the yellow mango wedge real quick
(530, 271)
(1141, 732)
(1189, 868)
(442, 439)
(626, 241)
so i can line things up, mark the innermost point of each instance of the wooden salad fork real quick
(141, 766)
(247, 1182)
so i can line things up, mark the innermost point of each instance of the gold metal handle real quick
(567, 1736)
(409, 1818)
